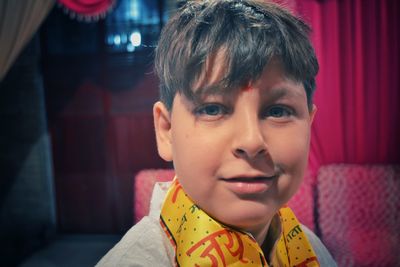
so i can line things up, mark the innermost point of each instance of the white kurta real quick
(146, 245)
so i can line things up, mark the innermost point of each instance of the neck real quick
(260, 233)
(268, 235)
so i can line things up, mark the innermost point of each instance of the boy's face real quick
(239, 157)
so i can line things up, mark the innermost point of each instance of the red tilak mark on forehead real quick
(247, 88)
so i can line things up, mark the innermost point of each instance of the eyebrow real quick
(281, 92)
(214, 90)
(217, 89)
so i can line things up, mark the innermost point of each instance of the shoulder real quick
(142, 245)
(323, 255)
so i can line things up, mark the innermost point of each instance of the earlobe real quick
(312, 113)
(162, 126)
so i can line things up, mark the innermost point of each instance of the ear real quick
(312, 113)
(162, 125)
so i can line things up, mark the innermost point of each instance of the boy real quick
(237, 79)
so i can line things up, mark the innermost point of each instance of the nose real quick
(249, 141)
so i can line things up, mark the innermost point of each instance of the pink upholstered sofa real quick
(355, 209)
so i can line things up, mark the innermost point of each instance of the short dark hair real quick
(249, 32)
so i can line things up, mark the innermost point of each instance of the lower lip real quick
(248, 188)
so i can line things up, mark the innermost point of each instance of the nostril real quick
(261, 152)
(240, 152)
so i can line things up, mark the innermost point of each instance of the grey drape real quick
(19, 20)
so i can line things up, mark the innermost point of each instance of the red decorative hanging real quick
(87, 10)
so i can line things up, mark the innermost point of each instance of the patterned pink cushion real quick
(144, 183)
(359, 213)
(301, 203)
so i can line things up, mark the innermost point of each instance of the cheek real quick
(290, 148)
(194, 152)
(292, 156)
(187, 145)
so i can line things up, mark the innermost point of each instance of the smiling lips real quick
(243, 185)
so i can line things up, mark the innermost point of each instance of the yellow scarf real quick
(199, 240)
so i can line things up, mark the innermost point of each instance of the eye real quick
(211, 109)
(278, 112)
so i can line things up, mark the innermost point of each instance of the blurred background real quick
(77, 88)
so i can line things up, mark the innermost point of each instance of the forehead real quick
(213, 79)
(213, 72)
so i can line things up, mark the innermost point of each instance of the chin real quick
(247, 218)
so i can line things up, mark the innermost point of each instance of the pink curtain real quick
(87, 9)
(358, 90)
